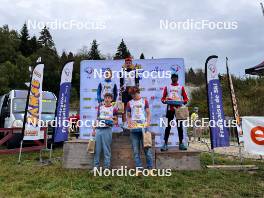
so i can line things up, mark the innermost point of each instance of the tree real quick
(122, 51)
(9, 44)
(70, 56)
(45, 39)
(142, 56)
(33, 44)
(24, 46)
(94, 53)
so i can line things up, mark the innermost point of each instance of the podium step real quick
(75, 155)
(178, 160)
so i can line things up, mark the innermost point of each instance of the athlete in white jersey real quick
(107, 86)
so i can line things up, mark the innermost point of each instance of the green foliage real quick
(122, 51)
(249, 93)
(45, 39)
(9, 44)
(94, 53)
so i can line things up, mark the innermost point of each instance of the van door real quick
(8, 118)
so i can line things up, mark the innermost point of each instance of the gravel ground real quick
(232, 150)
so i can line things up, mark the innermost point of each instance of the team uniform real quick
(107, 86)
(126, 83)
(137, 109)
(103, 137)
(175, 92)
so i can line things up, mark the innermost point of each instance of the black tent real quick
(257, 70)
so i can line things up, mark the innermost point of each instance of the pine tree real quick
(45, 39)
(24, 46)
(94, 53)
(142, 56)
(33, 44)
(70, 56)
(122, 51)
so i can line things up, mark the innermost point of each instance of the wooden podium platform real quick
(178, 160)
(75, 155)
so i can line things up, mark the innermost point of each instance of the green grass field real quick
(30, 179)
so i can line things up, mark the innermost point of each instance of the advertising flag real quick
(62, 111)
(235, 107)
(31, 127)
(218, 132)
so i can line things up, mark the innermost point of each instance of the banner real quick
(151, 88)
(218, 132)
(253, 134)
(63, 104)
(31, 128)
(235, 107)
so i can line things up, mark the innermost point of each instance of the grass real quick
(30, 179)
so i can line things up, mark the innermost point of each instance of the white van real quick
(12, 108)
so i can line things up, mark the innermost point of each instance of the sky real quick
(141, 25)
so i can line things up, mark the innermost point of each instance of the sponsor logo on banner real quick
(89, 72)
(87, 107)
(87, 99)
(152, 89)
(257, 135)
(175, 68)
(253, 134)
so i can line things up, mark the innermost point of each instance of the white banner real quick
(34, 106)
(151, 88)
(253, 134)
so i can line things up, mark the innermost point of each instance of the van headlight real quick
(17, 124)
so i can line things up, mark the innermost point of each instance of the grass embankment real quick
(30, 179)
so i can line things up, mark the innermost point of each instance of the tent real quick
(256, 70)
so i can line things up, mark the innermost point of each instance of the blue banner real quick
(218, 132)
(63, 105)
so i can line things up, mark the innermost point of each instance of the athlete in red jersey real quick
(173, 92)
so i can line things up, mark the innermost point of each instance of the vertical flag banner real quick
(253, 132)
(63, 104)
(31, 128)
(218, 133)
(235, 107)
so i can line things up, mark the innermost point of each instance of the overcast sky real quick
(138, 22)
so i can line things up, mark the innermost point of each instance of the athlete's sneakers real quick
(164, 147)
(182, 147)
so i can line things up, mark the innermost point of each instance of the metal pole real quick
(240, 155)
(50, 154)
(213, 157)
(20, 152)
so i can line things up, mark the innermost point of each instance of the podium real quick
(75, 155)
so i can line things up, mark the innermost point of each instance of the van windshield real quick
(19, 105)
